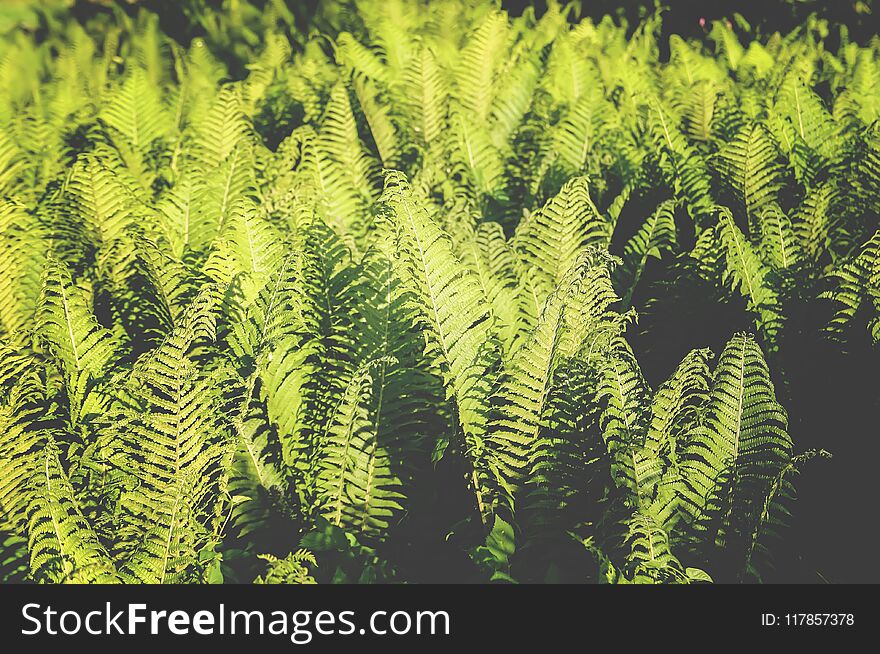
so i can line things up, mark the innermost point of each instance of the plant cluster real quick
(370, 313)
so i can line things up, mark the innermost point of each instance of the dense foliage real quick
(383, 308)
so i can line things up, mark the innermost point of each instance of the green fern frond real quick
(63, 547)
(551, 239)
(137, 112)
(735, 455)
(66, 322)
(178, 436)
(656, 235)
(356, 486)
(625, 394)
(699, 110)
(779, 246)
(748, 165)
(221, 129)
(22, 257)
(292, 569)
(524, 391)
(103, 201)
(12, 164)
(747, 274)
(422, 94)
(453, 312)
(856, 285)
(813, 220)
(478, 64)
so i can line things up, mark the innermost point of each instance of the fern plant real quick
(424, 285)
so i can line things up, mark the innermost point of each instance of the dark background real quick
(681, 16)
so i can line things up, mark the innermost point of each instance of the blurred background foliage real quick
(230, 28)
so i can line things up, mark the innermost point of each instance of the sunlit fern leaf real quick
(551, 238)
(625, 397)
(746, 273)
(811, 120)
(264, 70)
(248, 246)
(379, 119)
(386, 315)
(103, 201)
(276, 327)
(804, 162)
(453, 308)
(328, 188)
(292, 569)
(699, 109)
(778, 244)
(568, 74)
(288, 386)
(279, 312)
(748, 165)
(477, 65)
(151, 48)
(689, 62)
(676, 411)
(412, 408)
(618, 203)
(676, 405)
(129, 295)
(66, 322)
(470, 142)
(137, 112)
(568, 469)
(255, 479)
(514, 98)
(453, 311)
(592, 321)
(857, 100)
(756, 428)
(307, 369)
(491, 257)
(217, 193)
(574, 138)
(178, 438)
(525, 384)
(656, 235)
(527, 442)
(423, 92)
(727, 42)
(650, 558)
(172, 286)
(689, 173)
(22, 257)
(345, 170)
(361, 59)
(26, 422)
(733, 458)
(221, 129)
(693, 185)
(339, 137)
(813, 220)
(63, 547)
(856, 284)
(12, 164)
(391, 27)
(82, 347)
(356, 486)
(175, 211)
